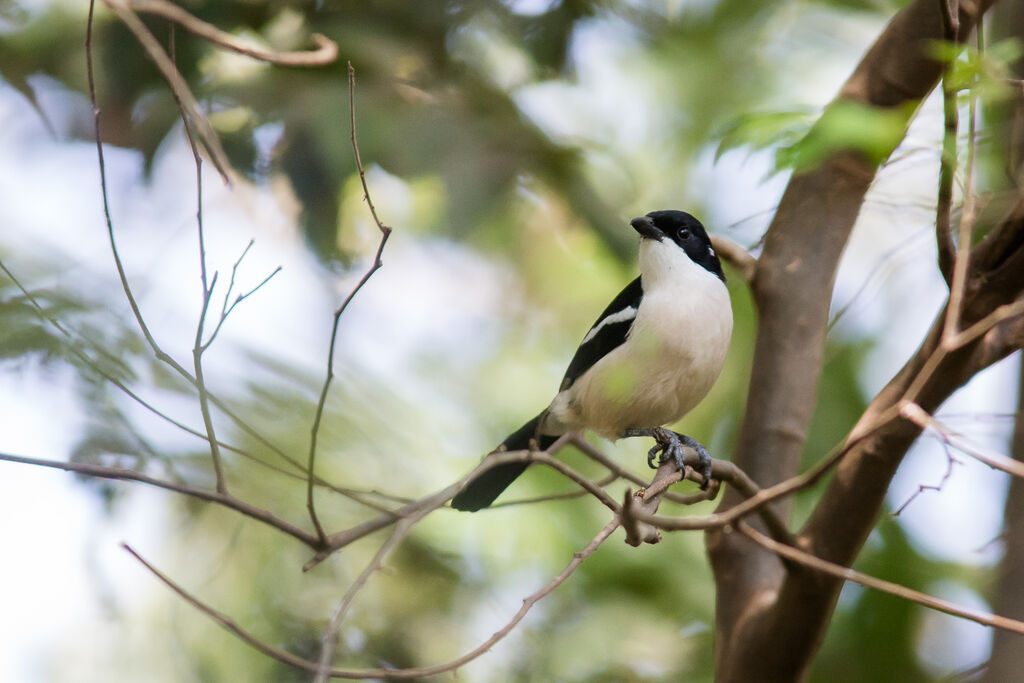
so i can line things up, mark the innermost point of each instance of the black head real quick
(685, 231)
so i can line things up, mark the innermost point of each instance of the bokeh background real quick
(508, 142)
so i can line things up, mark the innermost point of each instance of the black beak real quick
(645, 226)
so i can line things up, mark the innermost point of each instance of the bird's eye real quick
(684, 233)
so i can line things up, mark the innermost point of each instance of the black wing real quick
(605, 334)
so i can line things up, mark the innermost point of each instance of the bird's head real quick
(674, 232)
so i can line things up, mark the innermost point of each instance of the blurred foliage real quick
(446, 126)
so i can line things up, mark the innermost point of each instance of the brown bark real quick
(769, 619)
(1007, 660)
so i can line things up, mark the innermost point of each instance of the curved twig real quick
(324, 52)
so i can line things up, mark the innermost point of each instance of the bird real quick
(650, 358)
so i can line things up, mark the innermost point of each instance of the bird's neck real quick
(663, 264)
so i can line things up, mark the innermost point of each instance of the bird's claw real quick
(670, 445)
(653, 453)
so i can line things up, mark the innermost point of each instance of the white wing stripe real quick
(622, 316)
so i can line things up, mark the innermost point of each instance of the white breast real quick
(672, 357)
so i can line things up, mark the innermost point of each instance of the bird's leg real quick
(670, 445)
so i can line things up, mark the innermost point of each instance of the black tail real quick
(481, 492)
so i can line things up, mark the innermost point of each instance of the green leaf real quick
(758, 131)
(848, 126)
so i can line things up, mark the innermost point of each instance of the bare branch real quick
(329, 641)
(922, 419)
(207, 292)
(598, 456)
(129, 295)
(385, 232)
(1007, 656)
(324, 52)
(808, 560)
(123, 474)
(418, 672)
(937, 488)
(73, 341)
(645, 503)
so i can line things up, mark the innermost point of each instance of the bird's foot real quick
(670, 444)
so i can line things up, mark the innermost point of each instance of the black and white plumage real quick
(652, 355)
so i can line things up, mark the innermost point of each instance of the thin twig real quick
(436, 500)
(324, 52)
(978, 329)
(160, 354)
(418, 672)
(207, 293)
(845, 573)
(329, 641)
(130, 296)
(385, 232)
(204, 397)
(937, 488)
(74, 339)
(567, 495)
(119, 473)
(226, 309)
(958, 340)
(922, 419)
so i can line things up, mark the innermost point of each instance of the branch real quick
(324, 52)
(792, 290)
(808, 560)
(385, 232)
(207, 292)
(175, 81)
(846, 512)
(1007, 657)
(329, 642)
(418, 672)
(922, 419)
(599, 457)
(73, 341)
(225, 309)
(736, 256)
(120, 473)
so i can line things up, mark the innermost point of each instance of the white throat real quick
(665, 263)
